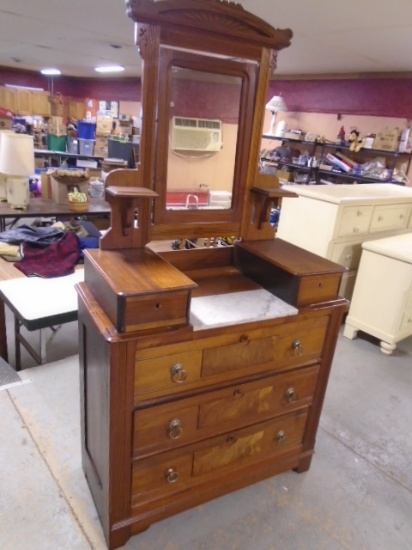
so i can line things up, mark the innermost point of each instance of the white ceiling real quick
(349, 36)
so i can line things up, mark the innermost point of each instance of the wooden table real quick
(49, 208)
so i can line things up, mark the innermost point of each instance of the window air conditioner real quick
(196, 134)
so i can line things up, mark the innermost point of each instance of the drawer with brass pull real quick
(174, 471)
(177, 424)
(228, 357)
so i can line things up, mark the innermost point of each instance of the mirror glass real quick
(203, 134)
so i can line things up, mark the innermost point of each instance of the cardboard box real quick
(101, 147)
(5, 123)
(387, 140)
(59, 189)
(45, 185)
(104, 126)
(56, 126)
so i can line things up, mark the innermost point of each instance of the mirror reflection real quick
(203, 133)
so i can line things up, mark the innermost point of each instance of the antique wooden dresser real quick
(203, 370)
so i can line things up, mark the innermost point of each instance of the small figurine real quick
(341, 135)
(356, 142)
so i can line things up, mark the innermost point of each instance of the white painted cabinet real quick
(382, 299)
(334, 220)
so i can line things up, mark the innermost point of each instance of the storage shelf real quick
(321, 148)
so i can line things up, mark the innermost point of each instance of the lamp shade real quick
(276, 104)
(16, 155)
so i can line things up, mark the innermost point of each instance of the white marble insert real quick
(237, 307)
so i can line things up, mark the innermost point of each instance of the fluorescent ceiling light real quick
(31, 88)
(51, 72)
(109, 69)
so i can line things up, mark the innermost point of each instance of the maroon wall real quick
(379, 97)
(376, 97)
(109, 89)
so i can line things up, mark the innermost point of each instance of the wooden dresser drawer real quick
(318, 288)
(171, 472)
(181, 423)
(167, 372)
(355, 219)
(228, 357)
(393, 216)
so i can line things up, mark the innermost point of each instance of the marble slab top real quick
(236, 308)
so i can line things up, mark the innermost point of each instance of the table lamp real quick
(276, 104)
(3, 181)
(17, 164)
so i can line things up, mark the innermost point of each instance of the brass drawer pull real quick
(359, 213)
(356, 229)
(380, 218)
(237, 394)
(175, 429)
(171, 475)
(290, 394)
(231, 439)
(297, 348)
(281, 437)
(244, 339)
(178, 374)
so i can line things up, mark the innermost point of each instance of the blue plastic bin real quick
(86, 130)
(86, 146)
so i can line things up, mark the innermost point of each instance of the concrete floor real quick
(357, 494)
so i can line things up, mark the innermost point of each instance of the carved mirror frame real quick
(216, 37)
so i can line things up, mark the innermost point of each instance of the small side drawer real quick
(174, 425)
(167, 372)
(355, 219)
(390, 217)
(164, 476)
(318, 288)
(299, 347)
(163, 309)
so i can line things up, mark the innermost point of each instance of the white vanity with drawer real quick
(334, 220)
(382, 299)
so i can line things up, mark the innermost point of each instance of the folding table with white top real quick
(38, 303)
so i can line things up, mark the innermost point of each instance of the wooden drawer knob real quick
(178, 374)
(244, 339)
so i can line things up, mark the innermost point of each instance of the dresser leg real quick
(350, 331)
(304, 465)
(386, 348)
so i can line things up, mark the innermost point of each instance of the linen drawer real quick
(167, 473)
(347, 253)
(354, 220)
(394, 216)
(175, 424)
(172, 369)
